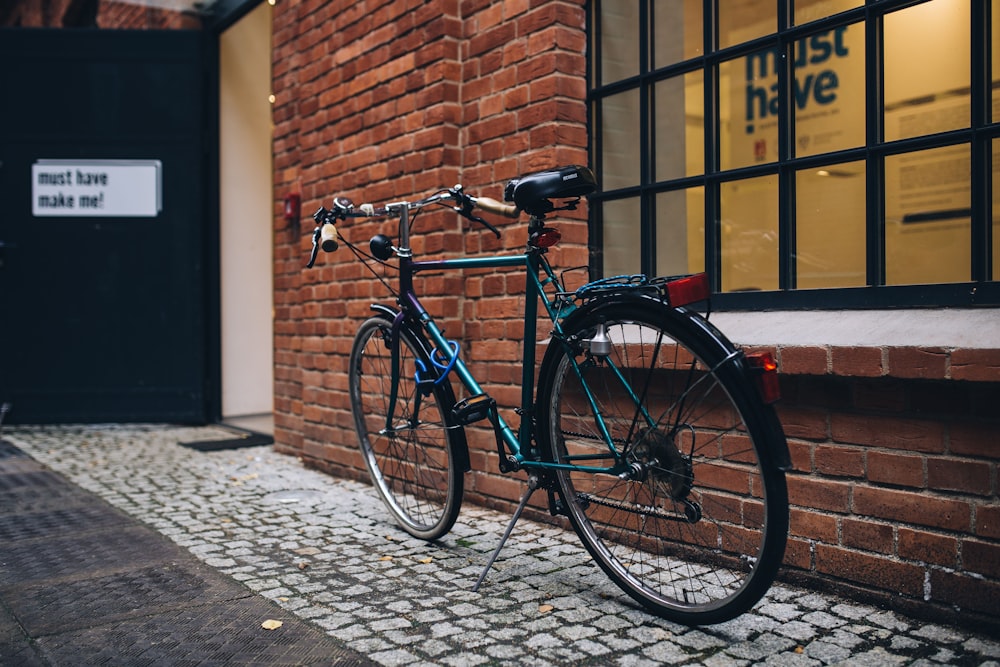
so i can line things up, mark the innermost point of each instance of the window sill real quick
(940, 344)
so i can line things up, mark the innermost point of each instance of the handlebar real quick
(326, 236)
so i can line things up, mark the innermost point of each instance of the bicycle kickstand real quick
(533, 484)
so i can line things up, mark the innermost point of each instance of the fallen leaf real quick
(282, 599)
(799, 649)
(545, 608)
(303, 565)
(307, 551)
(386, 558)
(271, 624)
(427, 560)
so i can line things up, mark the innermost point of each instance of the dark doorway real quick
(104, 317)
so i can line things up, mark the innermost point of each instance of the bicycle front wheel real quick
(690, 516)
(411, 453)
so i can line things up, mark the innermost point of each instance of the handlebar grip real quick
(493, 206)
(328, 238)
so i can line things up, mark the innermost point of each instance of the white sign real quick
(96, 188)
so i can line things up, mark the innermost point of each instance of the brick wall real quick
(88, 13)
(137, 17)
(894, 487)
(383, 100)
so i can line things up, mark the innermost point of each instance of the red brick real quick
(981, 557)
(969, 438)
(967, 593)
(868, 536)
(976, 365)
(923, 546)
(804, 360)
(959, 475)
(813, 525)
(856, 361)
(896, 469)
(798, 553)
(810, 492)
(806, 423)
(881, 572)
(801, 455)
(917, 509)
(918, 362)
(988, 521)
(896, 433)
(839, 461)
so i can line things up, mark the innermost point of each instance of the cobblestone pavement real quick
(326, 551)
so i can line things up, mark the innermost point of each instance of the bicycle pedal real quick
(472, 409)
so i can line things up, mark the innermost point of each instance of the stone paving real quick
(325, 550)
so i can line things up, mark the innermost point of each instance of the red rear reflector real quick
(547, 238)
(687, 290)
(765, 371)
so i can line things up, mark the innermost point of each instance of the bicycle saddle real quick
(532, 192)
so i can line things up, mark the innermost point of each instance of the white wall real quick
(245, 215)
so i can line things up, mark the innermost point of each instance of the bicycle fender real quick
(385, 310)
(395, 319)
(724, 348)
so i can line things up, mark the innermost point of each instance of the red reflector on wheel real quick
(687, 290)
(765, 370)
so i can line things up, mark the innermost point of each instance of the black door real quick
(103, 297)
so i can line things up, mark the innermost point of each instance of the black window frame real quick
(981, 290)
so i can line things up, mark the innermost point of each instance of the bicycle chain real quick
(649, 510)
(594, 437)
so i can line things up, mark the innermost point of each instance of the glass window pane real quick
(619, 40)
(680, 232)
(677, 31)
(743, 20)
(749, 231)
(679, 123)
(812, 10)
(830, 226)
(620, 140)
(748, 110)
(622, 239)
(927, 69)
(829, 91)
(927, 216)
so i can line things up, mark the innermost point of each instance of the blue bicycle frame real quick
(533, 262)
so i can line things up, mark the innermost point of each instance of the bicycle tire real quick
(414, 464)
(698, 532)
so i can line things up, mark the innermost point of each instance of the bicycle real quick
(649, 430)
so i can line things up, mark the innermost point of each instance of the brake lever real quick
(315, 248)
(476, 218)
(465, 210)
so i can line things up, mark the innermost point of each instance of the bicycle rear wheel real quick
(693, 523)
(411, 455)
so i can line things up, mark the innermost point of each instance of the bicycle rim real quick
(696, 529)
(410, 457)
